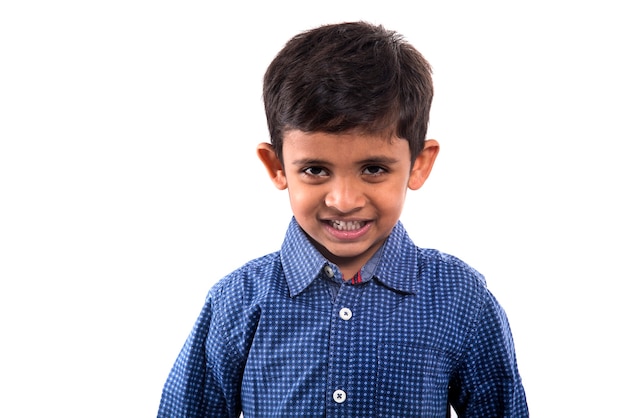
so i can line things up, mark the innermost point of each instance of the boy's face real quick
(347, 190)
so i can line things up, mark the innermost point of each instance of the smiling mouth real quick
(347, 225)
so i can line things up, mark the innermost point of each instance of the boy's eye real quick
(315, 171)
(374, 170)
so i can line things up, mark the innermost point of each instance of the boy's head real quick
(347, 107)
(349, 77)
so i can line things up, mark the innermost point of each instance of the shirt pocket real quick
(412, 381)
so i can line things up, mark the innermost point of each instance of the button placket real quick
(340, 374)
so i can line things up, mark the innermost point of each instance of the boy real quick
(349, 318)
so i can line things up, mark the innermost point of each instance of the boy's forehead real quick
(324, 143)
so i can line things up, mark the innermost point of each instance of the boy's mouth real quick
(347, 225)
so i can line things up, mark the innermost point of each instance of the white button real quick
(345, 314)
(339, 396)
(329, 271)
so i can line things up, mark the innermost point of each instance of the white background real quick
(129, 183)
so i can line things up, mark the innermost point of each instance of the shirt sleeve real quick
(487, 383)
(204, 381)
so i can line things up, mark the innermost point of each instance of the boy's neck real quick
(348, 272)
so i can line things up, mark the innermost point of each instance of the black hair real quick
(349, 76)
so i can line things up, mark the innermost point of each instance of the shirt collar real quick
(399, 265)
(302, 262)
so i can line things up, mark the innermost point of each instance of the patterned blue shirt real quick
(284, 336)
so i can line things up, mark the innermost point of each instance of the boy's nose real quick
(345, 196)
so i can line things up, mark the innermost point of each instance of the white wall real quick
(127, 156)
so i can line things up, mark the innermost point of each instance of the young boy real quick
(349, 318)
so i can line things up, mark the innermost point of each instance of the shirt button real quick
(345, 314)
(339, 396)
(329, 271)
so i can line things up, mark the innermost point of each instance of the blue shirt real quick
(284, 336)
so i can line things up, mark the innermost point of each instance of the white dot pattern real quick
(273, 341)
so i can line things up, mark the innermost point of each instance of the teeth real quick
(347, 226)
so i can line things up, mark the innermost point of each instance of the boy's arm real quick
(193, 388)
(487, 383)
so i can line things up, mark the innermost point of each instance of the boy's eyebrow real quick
(309, 161)
(379, 160)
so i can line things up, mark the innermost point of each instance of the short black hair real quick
(349, 76)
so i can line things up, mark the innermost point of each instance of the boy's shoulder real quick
(450, 277)
(250, 278)
(452, 265)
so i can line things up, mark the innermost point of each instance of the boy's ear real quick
(272, 164)
(423, 164)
